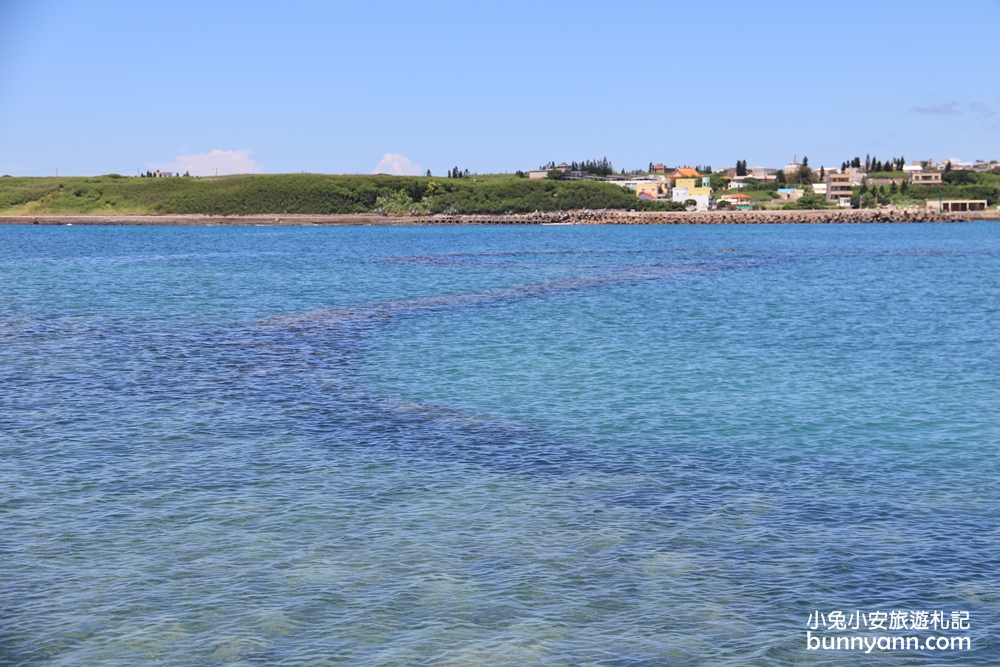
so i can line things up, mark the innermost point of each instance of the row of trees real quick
(873, 164)
(150, 174)
(455, 173)
(600, 167)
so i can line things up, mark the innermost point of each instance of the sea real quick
(548, 445)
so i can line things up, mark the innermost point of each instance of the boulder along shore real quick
(582, 217)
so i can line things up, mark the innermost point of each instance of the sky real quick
(406, 87)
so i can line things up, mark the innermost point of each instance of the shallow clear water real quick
(494, 446)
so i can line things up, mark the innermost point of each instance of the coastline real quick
(580, 217)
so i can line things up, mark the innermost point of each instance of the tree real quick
(822, 173)
(947, 166)
(805, 160)
(780, 176)
(741, 167)
(428, 173)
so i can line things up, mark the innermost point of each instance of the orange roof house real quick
(685, 172)
(736, 198)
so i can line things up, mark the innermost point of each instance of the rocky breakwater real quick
(611, 217)
(582, 217)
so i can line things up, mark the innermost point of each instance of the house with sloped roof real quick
(685, 172)
(735, 198)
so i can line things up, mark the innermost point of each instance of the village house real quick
(762, 173)
(687, 188)
(840, 187)
(791, 168)
(737, 199)
(685, 172)
(652, 190)
(925, 178)
(956, 205)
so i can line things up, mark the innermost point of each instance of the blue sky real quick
(332, 87)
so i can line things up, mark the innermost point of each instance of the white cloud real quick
(947, 109)
(397, 165)
(216, 161)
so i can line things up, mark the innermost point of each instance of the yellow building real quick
(652, 190)
(693, 190)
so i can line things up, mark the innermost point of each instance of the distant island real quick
(553, 188)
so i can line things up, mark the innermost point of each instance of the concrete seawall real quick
(584, 217)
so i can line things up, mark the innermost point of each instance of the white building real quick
(762, 173)
(680, 195)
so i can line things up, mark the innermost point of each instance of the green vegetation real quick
(872, 165)
(593, 167)
(306, 194)
(958, 184)
(657, 205)
(810, 201)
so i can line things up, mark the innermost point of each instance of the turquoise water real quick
(494, 446)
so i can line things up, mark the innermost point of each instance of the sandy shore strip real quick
(584, 217)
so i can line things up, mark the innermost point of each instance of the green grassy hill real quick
(303, 193)
(956, 185)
